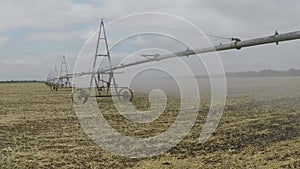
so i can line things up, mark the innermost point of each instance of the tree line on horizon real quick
(265, 73)
(21, 81)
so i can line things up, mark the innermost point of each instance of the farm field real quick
(259, 129)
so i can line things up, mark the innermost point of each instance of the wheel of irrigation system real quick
(80, 96)
(125, 94)
(54, 88)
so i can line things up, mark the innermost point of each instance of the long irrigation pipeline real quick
(230, 44)
(125, 94)
(234, 44)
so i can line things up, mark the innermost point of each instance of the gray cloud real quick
(4, 40)
(56, 36)
(44, 14)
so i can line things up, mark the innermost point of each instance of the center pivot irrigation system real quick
(104, 77)
(61, 80)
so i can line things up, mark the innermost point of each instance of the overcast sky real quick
(34, 34)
